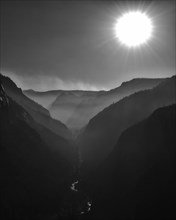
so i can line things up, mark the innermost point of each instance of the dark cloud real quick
(72, 41)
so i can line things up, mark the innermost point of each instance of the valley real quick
(108, 169)
(87, 110)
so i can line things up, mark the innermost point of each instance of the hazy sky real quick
(70, 44)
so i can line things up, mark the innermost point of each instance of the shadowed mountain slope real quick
(137, 181)
(100, 135)
(39, 113)
(34, 174)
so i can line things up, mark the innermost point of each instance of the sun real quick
(133, 28)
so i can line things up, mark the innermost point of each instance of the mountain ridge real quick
(88, 103)
(104, 129)
(38, 112)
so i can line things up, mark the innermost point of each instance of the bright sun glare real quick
(133, 29)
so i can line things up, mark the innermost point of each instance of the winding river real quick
(84, 201)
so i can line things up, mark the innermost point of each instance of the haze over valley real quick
(88, 110)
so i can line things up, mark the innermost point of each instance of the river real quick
(85, 202)
(75, 205)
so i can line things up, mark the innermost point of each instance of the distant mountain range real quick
(47, 98)
(76, 108)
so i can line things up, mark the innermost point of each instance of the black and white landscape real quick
(88, 110)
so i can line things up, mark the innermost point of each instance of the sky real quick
(48, 45)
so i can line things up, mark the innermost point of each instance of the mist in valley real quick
(87, 110)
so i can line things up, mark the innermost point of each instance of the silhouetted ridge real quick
(142, 80)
